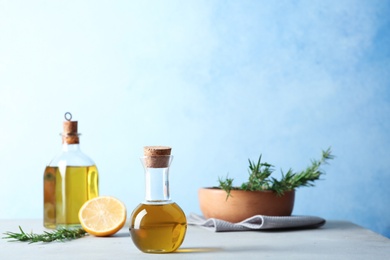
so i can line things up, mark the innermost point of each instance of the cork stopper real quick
(70, 134)
(157, 156)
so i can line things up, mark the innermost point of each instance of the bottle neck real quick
(72, 155)
(70, 147)
(157, 185)
(70, 142)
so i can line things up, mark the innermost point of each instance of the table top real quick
(334, 240)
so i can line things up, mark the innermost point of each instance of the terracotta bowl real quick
(244, 204)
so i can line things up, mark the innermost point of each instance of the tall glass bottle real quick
(70, 179)
(157, 225)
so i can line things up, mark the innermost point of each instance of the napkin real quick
(258, 222)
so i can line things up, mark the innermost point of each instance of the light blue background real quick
(219, 81)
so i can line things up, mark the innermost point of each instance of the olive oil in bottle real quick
(157, 225)
(77, 184)
(70, 179)
(158, 228)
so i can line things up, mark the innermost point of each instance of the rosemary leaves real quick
(260, 177)
(61, 234)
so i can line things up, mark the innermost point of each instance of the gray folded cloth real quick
(258, 222)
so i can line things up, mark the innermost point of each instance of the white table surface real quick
(335, 240)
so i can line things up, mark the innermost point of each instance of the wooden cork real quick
(70, 127)
(157, 156)
(69, 134)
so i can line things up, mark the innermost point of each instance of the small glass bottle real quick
(157, 225)
(70, 179)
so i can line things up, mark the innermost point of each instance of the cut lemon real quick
(102, 216)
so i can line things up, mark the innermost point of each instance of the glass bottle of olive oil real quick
(157, 225)
(69, 180)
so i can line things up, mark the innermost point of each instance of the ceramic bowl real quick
(244, 204)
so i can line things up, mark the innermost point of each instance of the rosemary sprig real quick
(61, 234)
(260, 177)
(226, 185)
(308, 176)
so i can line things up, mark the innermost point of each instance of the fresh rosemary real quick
(226, 185)
(260, 177)
(61, 234)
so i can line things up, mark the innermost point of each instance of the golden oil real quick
(65, 191)
(158, 228)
